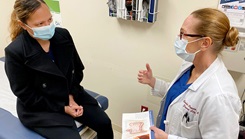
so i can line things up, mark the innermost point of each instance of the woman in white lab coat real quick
(202, 101)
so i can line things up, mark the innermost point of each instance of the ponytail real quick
(14, 27)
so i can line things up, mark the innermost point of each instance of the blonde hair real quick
(22, 11)
(216, 25)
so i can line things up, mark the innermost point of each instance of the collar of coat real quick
(62, 48)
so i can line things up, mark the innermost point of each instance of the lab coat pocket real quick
(189, 129)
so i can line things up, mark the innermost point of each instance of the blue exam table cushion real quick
(12, 128)
(2, 59)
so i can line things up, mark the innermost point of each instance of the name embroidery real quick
(190, 108)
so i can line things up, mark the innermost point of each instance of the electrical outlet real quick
(143, 108)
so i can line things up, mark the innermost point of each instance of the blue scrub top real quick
(176, 89)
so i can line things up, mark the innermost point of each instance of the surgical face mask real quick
(44, 32)
(180, 49)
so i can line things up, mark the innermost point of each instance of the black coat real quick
(42, 86)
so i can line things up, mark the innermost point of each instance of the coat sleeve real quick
(220, 117)
(77, 72)
(21, 83)
(160, 88)
(77, 75)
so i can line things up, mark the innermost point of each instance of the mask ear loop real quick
(24, 24)
(197, 50)
(194, 52)
(21, 24)
(29, 28)
(196, 40)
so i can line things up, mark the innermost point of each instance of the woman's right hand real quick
(146, 76)
(74, 111)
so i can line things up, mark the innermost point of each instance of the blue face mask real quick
(180, 46)
(44, 32)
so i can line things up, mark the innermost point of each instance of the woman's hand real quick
(159, 134)
(146, 76)
(72, 101)
(73, 109)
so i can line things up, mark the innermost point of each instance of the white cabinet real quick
(235, 59)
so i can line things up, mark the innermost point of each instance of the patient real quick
(45, 72)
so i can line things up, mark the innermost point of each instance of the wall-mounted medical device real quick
(137, 10)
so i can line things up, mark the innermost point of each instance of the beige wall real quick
(5, 12)
(113, 50)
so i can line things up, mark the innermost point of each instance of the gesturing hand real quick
(146, 76)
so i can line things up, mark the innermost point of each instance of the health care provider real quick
(202, 101)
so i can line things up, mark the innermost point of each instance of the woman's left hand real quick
(78, 109)
(159, 134)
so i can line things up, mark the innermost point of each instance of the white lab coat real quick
(212, 104)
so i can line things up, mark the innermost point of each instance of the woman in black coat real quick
(45, 71)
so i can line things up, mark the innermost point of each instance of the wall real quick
(114, 50)
(5, 12)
